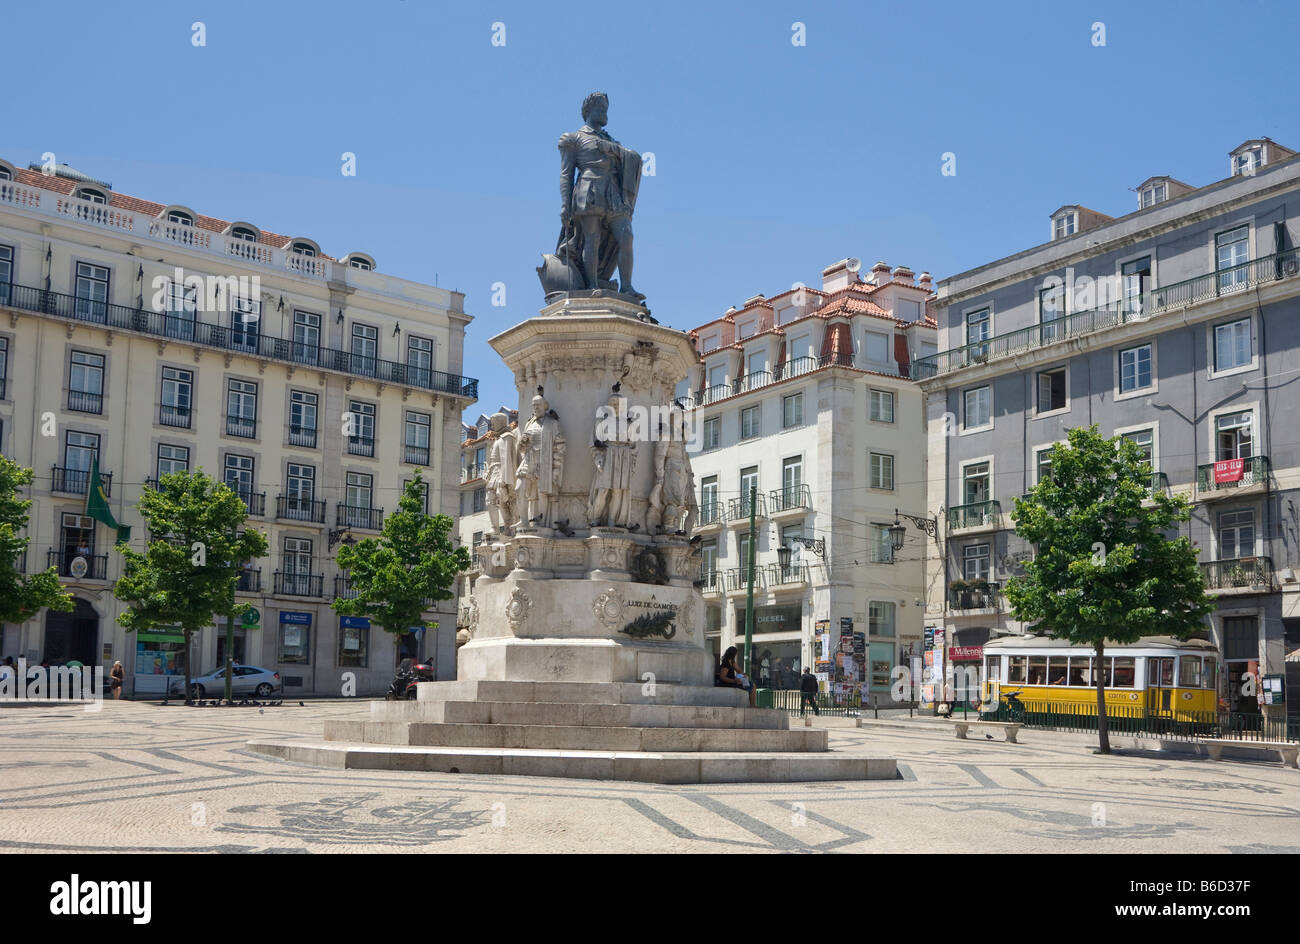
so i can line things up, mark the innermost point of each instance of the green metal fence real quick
(1121, 719)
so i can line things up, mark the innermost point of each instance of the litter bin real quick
(763, 698)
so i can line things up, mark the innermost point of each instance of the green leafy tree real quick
(1105, 567)
(22, 596)
(197, 547)
(397, 576)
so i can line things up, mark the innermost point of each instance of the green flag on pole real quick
(97, 503)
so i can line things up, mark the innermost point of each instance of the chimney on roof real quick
(925, 282)
(754, 299)
(840, 275)
(904, 274)
(880, 273)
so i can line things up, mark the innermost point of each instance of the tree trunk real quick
(1099, 672)
(189, 686)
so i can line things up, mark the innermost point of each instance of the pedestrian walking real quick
(808, 692)
(116, 676)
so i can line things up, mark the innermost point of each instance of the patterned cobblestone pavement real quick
(145, 778)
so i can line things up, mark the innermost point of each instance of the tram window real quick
(1207, 677)
(1016, 668)
(1124, 671)
(1189, 671)
(1166, 673)
(1037, 670)
(1079, 670)
(992, 668)
(1056, 670)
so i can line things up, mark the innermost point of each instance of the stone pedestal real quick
(586, 655)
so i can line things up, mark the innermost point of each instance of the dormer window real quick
(244, 233)
(1246, 162)
(303, 249)
(1065, 224)
(1150, 196)
(5, 173)
(708, 343)
(746, 328)
(183, 219)
(91, 195)
(358, 263)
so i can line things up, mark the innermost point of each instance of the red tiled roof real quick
(35, 178)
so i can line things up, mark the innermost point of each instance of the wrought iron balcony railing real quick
(471, 472)
(1175, 297)
(242, 426)
(417, 455)
(790, 498)
(77, 481)
(255, 502)
(737, 578)
(238, 339)
(710, 580)
(738, 508)
(84, 401)
(368, 519)
(177, 416)
(298, 508)
(299, 585)
(974, 515)
(343, 589)
(971, 598)
(756, 380)
(304, 436)
(250, 580)
(711, 513)
(793, 573)
(1239, 573)
(361, 446)
(63, 558)
(1251, 471)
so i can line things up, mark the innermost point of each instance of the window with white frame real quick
(1051, 390)
(243, 233)
(1236, 534)
(306, 337)
(360, 490)
(4, 366)
(880, 618)
(245, 314)
(976, 484)
(882, 470)
(92, 292)
(792, 410)
(1144, 439)
(239, 475)
(976, 562)
(979, 326)
(1151, 195)
(978, 408)
(6, 272)
(1135, 368)
(365, 348)
(1064, 224)
(712, 433)
(749, 422)
(880, 405)
(876, 348)
(419, 359)
(176, 397)
(1232, 345)
(746, 328)
(172, 459)
(708, 343)
(1135, 276)
(1231, 252)
(1044, 464)
(882, 545)
(1051, 308)
(1234, 436)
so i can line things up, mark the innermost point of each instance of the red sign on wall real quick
(1230, 470)
(966, 653)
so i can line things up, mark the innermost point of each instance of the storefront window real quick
(354, 642)
(158, 656)
(295, 643)
(773, 619)
(778, 664)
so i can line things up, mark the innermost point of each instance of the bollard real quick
(859, 721)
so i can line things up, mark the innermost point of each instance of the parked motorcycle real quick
(409, 674)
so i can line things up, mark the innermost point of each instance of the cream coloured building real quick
(149, 337)
(807, 397)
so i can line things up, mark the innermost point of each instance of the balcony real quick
(343, 589)
(298, 508)
(417, 455)
(975, 516)
(361, 446)
(64, 557)
(472, 472)
(302, 436)
(711, 581)
(738, 509)
(244, 427)
(238, 339)
(255, 502)
(789, 576)
(83, 401)
(1235, 477)
(367, 519)
(250, 580)
(711, 514)
(752, 381)
(735, 579)
(1242, 574)
(1175, 297)
(299, 585)
(792, 498)
(177, 416)
(756, 380)
(77, 481)
(985, 598)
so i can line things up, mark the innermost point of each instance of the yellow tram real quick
(1157, 675)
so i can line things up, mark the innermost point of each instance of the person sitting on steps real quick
(729, 677)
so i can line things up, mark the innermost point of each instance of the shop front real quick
(777, 657)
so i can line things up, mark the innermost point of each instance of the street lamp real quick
(341, 534)
(897, 533)
(783, 554)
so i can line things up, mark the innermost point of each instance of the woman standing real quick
(116, 676)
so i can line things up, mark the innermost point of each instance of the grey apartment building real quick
(1176, 325)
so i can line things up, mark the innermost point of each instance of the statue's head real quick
(498, 422)
(540, 406)
(595, 108)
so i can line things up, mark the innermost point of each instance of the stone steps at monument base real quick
(596, 693)
(575, 737)
(584, 715)
(634, 766)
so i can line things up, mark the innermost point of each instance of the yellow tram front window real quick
(1189, 671)
(1016, 667)
(1125, 672)
(1057, 670)
(1037, 670)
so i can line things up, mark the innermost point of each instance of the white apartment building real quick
(150, 338)
(807, 398)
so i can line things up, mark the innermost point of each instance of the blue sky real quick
(772, 160)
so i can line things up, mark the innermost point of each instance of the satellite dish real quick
(78, 567)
